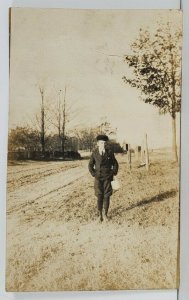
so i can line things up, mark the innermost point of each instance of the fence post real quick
(129, 155)
(139, 154)
(146, 153)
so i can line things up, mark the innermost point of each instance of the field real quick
(54, 241)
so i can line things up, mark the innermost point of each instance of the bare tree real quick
(86, 137)
(59, 117)
(105, 128)
(64, 120)
(42, 120)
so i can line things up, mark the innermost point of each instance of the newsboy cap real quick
(102, 137)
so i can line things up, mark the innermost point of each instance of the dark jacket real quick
(103, 167)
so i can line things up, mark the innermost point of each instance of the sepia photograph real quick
(93, 177)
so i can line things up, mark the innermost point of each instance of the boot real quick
(106, 218)
(100, 217)
(100, 205)
(106, 207)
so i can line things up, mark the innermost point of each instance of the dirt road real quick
(55, 243)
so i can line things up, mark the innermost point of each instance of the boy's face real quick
(101, 144)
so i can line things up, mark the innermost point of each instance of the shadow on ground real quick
(157, 198)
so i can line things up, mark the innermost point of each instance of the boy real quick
(103, 166)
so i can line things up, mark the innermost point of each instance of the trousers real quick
(103, 188)
(103, 191)
(103, 202)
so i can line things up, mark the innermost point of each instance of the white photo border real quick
(4, 96)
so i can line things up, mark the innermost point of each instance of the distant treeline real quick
(25, 143)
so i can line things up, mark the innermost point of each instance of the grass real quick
(56, 243)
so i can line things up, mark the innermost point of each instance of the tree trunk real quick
(173, 113)
(43, 131)
(42, 121)
(59, 119)
(174, 141)
(64, 124)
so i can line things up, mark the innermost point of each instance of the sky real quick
(83, 50)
